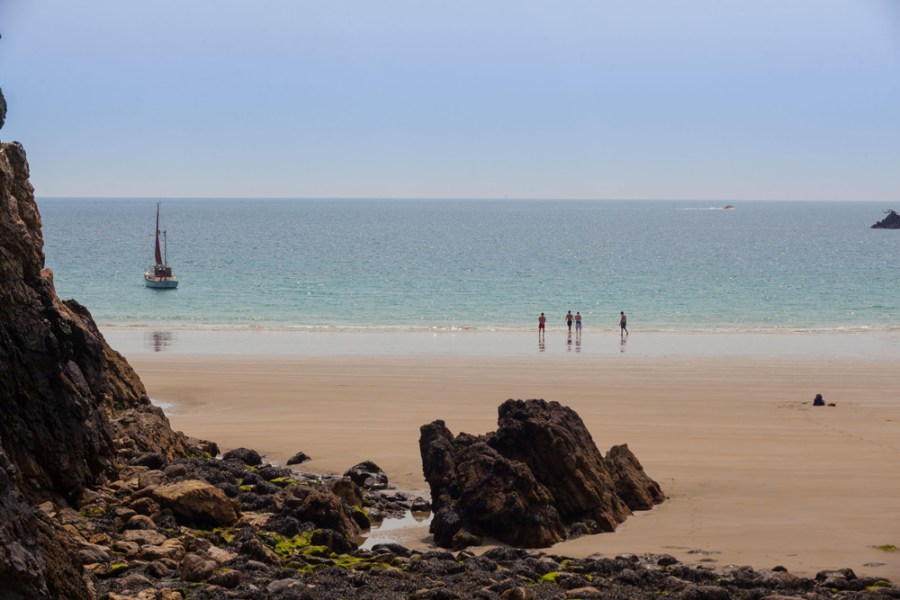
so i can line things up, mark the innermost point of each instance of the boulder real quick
(228, 579)
(202, 447)
(420, 504)
(197, 503)
(175, 471)
(347, 491)
(298, 458)
(270, 472)
(324, 509)
(522, 484)
(368, 475)
(196, 568)
(151, 460)
(245, 455)
(333, 540)
(445, 524)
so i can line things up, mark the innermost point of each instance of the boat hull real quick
(160, 283)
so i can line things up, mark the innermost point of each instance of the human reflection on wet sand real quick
(622, 343)
(159, 341)
(569, 342)
(578, 343)
(541, 346)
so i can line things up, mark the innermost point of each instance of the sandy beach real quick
(755, 475)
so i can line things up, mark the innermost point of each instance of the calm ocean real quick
(479, 264)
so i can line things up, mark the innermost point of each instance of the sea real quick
(478, 265)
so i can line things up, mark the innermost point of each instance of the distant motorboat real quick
(159, 275)
(728, 207)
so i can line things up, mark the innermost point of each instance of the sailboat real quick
(160, 275)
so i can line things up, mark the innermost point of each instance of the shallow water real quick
(595, 344)
(398, 530)
(447, 265)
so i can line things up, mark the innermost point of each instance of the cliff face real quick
(72, 408)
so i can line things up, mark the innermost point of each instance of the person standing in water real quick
(623, 323)
(569, 319)
(577, 323)
(542, 321)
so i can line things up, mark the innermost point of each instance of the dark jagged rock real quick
(633, 485)
(891, 221)
(537, 472)
(271, 473)
(245, 455)
(203, 448)
(73, 409)
(70, 402)
(321, 507)
(348, 491)
(558, 449)
(368, 475)
(476, 490)
(298, 458)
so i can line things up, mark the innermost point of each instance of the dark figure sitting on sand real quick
(819, 401)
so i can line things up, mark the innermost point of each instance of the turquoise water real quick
(484, 265)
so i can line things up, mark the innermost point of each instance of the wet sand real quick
(754, 473)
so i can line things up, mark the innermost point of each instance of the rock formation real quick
(368, 475)
(476, 491)
(73, 409)
(522, 484)
(2, 109)
(891, 221)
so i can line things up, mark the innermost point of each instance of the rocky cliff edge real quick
(73, 409)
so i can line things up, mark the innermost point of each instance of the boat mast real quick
(158, 254)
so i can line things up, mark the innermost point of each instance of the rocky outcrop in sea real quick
(101, 499)
(891, 221)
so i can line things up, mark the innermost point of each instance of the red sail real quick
(158, 253)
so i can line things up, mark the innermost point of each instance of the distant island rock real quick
(891, 221)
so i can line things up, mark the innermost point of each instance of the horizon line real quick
(452, 198)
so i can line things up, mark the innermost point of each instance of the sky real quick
(720, 100)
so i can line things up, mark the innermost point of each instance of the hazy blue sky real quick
(690, 99)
